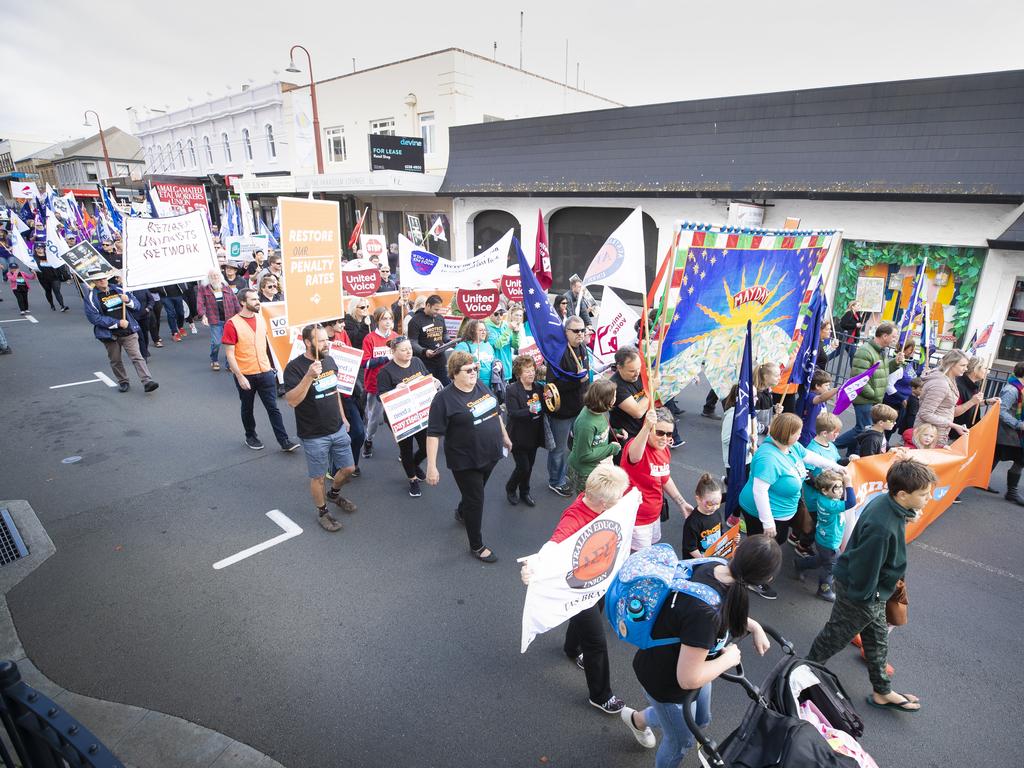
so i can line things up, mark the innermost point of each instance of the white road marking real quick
(291, 530)
(966, 561)
(100, 376)
(105, 379)
(31, 319)
(14, 320)
(74, 383)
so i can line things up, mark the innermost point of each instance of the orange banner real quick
(280, 336)
(726, 545)
(311, 259)
(965, 463)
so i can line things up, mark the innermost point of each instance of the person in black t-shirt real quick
(466, 414)
(428, 335)
(402, 370)
(704, 651)
(524, 400)
(571, 390)
(706, 524)
(630, 401)
(311, 381)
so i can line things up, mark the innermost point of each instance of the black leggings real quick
(51, 289)
(754, 527)
(22, 297)
(413, 457)
(471, 484)
(585, 634)
(520, 479)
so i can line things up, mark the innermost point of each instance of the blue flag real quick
(914, 307)
(807, 355)
(115, 215)
(277, 223)
(271, 240)
(739, 440)
(546, 326)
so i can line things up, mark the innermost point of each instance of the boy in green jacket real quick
(866, 574)
(591, 443)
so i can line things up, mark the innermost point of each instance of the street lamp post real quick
(312, 98)
(103, 141)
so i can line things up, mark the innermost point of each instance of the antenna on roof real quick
(577, 74)
(521, 39)
(494, 56)
(353, 63)
(565, 81)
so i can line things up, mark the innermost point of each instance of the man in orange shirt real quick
(245, 342)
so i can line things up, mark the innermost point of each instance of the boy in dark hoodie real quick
(871, 441)
(865, 578)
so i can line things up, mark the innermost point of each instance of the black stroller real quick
(771, 734)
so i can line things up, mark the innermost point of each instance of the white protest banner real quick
(373, 245)
(176, 249)
(422, 269)
(56, 246)
(572, 575)
(408, 406)
(621, 261)
(24, 190)
(615, 328)
(348, 360)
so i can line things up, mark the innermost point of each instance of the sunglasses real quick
(663, 433)
(470, 369)
(575, 330)
(363, 306)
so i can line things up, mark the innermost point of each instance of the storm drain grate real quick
(12, 546)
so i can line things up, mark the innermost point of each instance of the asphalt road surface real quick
(387, 644)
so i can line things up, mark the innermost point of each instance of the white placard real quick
(24, 190)
(175, 249)
(348, 360)
(408, 406)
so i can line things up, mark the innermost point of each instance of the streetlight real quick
(312, 96)
(103, 141)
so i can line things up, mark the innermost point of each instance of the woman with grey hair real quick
(940, 395)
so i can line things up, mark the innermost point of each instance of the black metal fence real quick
(41, 733)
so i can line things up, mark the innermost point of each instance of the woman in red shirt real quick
(376, 353)
(584, 634)
(647, 461)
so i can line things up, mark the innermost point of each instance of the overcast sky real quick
(60, 57)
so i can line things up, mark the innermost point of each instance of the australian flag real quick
(914, 307)
(739, 441)
(807, 355)
(546, 326)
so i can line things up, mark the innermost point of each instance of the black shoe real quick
(288, 446)
(710, 415)
(527, 499)
(122, 387)
(420, 474)
(613, 706)
(458, 518)
(414, 489)
(53, 308)
(356, 472)
(763, 590)
(511, 496)
(368, 449)
(64, 309)
(1014, 495)
(149, 386)
(561, 490)
(254, 442)
(6, 351)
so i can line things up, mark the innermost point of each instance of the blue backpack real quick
(642, 586)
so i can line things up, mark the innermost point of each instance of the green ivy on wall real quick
(964, 265)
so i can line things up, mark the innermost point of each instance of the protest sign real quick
(311, 259)
(373, 245)
(572, 575)
(422, 269)
(408, 406)
(726, 545)
(86, 262)
(181, 198)
(360, 278)
(24, 190)
(528, 346)
(512, 284)
(175, 249)
(478, 303)
(615, 328)
(452, 324)
(851, 388)
(281, 337)
(967, 462)
(241, 249)
(348, 360)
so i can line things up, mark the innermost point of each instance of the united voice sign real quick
(360, 278)
(477, 303)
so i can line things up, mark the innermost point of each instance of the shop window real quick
(383, 127)
(91, 171)
(336, 152)
(427, 132)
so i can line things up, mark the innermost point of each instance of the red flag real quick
(358, 228)
(542, 259)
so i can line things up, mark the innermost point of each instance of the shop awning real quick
(365, 183)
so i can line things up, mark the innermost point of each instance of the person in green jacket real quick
(867, 354)
(591, 443)
(503, 339)
(865, 578)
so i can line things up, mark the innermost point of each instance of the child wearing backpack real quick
(865, 578)
(705, 649)
(705, 524)
(834, 496)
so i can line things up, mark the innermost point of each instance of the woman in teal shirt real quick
(474, 341)
(503, 339)
(778, 470)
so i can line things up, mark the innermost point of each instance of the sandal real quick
(490, 557)
(902, 706)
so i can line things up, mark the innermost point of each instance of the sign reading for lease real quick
(311, 259)
(173, 249)
(408, 406)
(396, 153)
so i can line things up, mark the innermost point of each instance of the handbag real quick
(664, 509)
(896, 605)
(549, 436)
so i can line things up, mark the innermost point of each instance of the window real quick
(227, 148)
(91, 173)
(271, 146)
(158, 158)
(383, 127)
(170, 156)
(181, 154)
(336, 144)
(208, 150)
(427, 132)
(246, 144)
(122, 169)
(191, 153)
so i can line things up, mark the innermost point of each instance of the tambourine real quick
(552, 400)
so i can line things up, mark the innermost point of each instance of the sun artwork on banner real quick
(754, 303)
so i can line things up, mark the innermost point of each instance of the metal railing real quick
(41, 733)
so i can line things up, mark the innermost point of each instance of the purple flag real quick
(852, 388)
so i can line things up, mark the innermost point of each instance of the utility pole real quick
(520, 39)
(565, 81)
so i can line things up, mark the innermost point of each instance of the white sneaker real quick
(644, 737)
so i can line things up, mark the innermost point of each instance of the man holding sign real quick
(106, 307)
(311, 381)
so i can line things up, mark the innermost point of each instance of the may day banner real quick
(422, 269)
(572, 575)
(311, 259)
(733, 275)
(176, 249)
(967, 462)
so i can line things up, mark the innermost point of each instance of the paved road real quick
(387, 644)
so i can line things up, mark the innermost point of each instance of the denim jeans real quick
(175, 307)
(847, 440)
(676, 739)
(824, 560)
(216, 333)
(264, 385)
(356, 431)
(557, 464)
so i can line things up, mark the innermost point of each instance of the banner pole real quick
(663, 325)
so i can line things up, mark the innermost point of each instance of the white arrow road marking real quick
(100, 376)
(19, 319)
(31, 319)
(105, 379)
(291, 530)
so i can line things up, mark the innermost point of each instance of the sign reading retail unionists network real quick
(311, 259)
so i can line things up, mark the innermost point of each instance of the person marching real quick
(18, 280)
(427, 333)
(106, 308)
(215, 303)
(592, 441)
(474, 341)
(49, 279)
(402, 370)
(576, 359)
(524, 400)
(311, 383)
(706, 524)
(376, 354)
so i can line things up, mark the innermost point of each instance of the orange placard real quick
(311, 259)
(965, 463)
(278, 333)
(726, 545)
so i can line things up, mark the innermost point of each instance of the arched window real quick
(181, 154)
(170, 156)
(191, 153)
(246, 144)
(208, 150)
(227, 148)
(271, 146)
